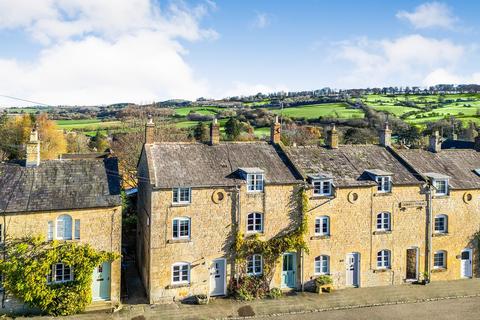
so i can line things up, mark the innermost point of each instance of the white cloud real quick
(261, 21)
(406, 60)
(430, 15)
(104, 51)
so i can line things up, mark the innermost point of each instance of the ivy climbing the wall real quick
(29, 262)
(247, 287)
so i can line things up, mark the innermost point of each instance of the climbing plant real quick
(249, 287)
(29, 262)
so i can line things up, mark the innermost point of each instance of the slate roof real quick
(458, 164)
(59, 185)
(349, 164)
(457, 144)
(201, 165)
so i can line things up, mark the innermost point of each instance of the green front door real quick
(289, 270)
(101, 282)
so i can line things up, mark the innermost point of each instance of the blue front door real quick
(289, 270)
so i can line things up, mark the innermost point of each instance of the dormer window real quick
(182, 195)
(384, 184)
(322, 187)
(439, 182)
(441, 187)
(255, 182)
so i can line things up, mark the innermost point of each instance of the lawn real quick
(201, 110)
(91, 124)
(327, 110)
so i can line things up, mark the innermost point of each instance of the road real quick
(451, 309)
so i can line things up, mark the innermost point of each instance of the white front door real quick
(101, 282)
(466, 263)
(217, 278)
(352, 264)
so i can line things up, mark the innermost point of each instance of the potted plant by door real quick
(201, 299)
(323, 284)
(423, 280)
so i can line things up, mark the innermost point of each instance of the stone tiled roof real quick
(349, 164)
(59, 185)
(458, 164)
(201, 165)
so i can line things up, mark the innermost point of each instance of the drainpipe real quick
(428, 246)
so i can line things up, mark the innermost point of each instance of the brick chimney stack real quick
(385, 136)
(214, 132)
(150, 130)
(332, 138)
(275, 131)
(33, 150)
(434, 143)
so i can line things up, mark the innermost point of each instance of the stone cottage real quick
(454, 208)
(68, 200)
(191, 197)
(376, 215)
(366, 213)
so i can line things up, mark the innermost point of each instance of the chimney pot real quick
(385, 136)
(332, 137)
(33, 150)
(275, 131)
(434, 142)
(214, 132)
(149, 130)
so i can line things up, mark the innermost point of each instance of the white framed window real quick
(181, 228)
(64, 227)
(60, 273)
(384, 183)
(255, 182)
(383, 221)
(50, 229)
(440, 259)
(441, 224)
(182, 195)
(441, 187)
(322, 226)
(322, 187)
(322, 264)
(254, 265)
(254, 222)
(77, 229)
(181, 273)
(383, 259)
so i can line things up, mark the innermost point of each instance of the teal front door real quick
(101, 282)
(289, 270)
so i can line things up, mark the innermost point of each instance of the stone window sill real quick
(436, 270)
(382, 194)
(379, 232)
(179, 285)
(174, 205)
(254, 194)
(380, 270)
(440, 197)
(179, 240)
(320, 197)
(440, 234)
(320, 237)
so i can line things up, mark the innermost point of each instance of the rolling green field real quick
(200, 110)
(465, 107)
(90, 124)
(330, 110)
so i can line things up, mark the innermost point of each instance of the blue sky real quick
(99, 52)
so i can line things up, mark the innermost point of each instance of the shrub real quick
(323, 280)
(274, 293)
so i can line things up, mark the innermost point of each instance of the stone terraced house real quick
(376, 215)
(191, 195)
(68, 200)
